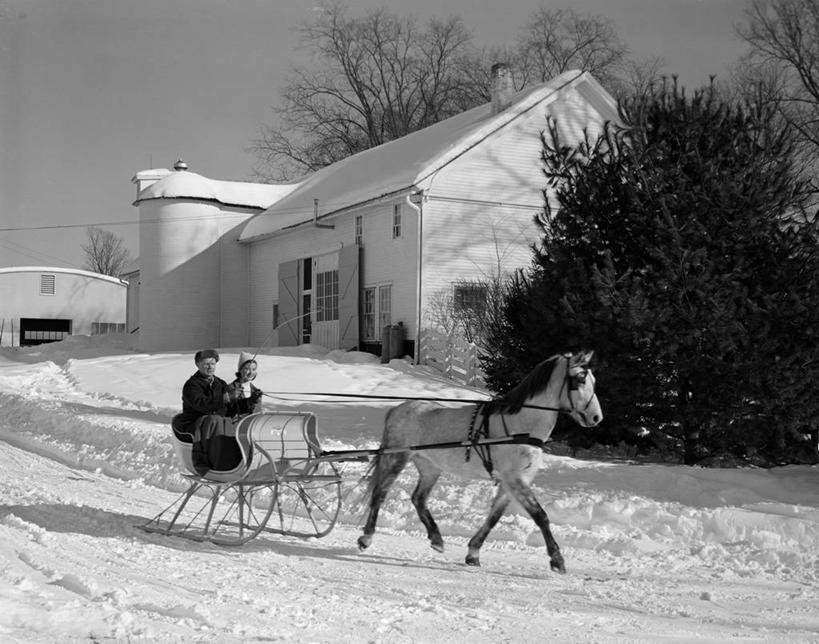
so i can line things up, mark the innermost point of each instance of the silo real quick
(179, 246)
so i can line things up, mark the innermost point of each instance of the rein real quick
(283, 395)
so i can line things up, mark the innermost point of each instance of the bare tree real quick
(378, 77)
(784, 39)
(372, 79)
(105, 253)
(557, 40)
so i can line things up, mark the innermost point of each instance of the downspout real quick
(416, 201)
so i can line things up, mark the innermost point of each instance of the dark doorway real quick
(39, 330)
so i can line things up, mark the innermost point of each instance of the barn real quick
(45, 304)
(365, 243)
(361, 247)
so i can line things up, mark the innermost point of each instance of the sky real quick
(654, 551)
(93, 91)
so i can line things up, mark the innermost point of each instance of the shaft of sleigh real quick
(365, 454)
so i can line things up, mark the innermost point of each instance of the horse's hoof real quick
(437, 544)
(558, 566)
(472, 561)
(364, 542)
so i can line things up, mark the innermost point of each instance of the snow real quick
(654, 552)
(190, 185)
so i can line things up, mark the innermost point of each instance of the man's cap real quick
(204, 354)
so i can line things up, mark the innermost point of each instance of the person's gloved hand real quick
(234, 390)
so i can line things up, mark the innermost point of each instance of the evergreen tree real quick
(677, 245)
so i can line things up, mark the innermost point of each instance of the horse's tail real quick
(371, 476)
(374, 472)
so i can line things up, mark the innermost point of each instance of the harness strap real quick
(477, 433)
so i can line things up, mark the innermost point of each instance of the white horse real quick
(561, 384)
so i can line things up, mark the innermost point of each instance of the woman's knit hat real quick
(244, 358)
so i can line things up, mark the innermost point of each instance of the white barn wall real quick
(80, 296)
(385, 260)
(465, 239)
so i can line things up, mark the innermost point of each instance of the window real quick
(396, 221)
(368, 313)
(103, 328)
(327, 296)
(384, 306)
(275, 315)
(306, 300)
(46, 284)
(359, 229)
(470, 297)
(376, 311)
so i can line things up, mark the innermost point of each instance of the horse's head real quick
(583, 405)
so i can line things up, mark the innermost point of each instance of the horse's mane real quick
(535, 381)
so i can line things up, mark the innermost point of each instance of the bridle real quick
(572, 382)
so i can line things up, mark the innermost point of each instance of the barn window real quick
(396, 221)
(470, 297)
(327, 296)
(103, 328)
(359, 230)
(46, 284)
(384, 305)
(368, 313)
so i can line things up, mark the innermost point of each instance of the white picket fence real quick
(454, 357)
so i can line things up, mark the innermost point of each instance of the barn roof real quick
(189, 185)
(401, 164)
(69, 271)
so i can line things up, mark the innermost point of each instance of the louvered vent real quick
(46, 284)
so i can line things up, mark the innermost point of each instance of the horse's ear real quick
(582, 358)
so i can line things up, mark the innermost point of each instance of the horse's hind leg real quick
(499, 504)
(524, 495)
(387, 469)
(428, 475)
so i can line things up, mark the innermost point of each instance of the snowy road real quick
(654, 553)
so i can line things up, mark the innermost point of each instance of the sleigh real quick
(279, 485)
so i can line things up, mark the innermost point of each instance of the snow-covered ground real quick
(654, 553)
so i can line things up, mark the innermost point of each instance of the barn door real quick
(289, 303)
(348, 289)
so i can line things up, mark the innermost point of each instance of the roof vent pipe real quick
(315, 217)
(502, 87)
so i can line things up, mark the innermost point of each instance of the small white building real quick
(45, 304)
(361, 244)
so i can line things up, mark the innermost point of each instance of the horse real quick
(560, 384)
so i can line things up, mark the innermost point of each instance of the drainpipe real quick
(416, 200)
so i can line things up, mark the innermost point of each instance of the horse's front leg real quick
(499, 504)
(524, 495)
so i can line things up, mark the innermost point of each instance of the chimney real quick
(502, 88)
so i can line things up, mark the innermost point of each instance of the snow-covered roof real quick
(189, 185)
(70, 271)
(401, 164)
